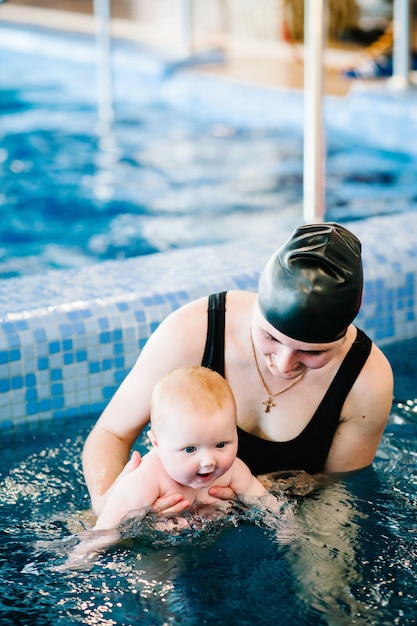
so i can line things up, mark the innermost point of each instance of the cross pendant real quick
(268, 403)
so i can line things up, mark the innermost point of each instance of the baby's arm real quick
(243, 482)
(247, 486)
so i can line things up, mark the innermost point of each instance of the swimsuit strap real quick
(214, 350)
(348, 372)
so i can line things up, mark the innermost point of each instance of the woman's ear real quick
(152, 438)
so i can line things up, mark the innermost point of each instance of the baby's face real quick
(196, 448)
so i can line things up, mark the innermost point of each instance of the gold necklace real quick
(268, 402)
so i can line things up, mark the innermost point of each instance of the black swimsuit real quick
(309, 450)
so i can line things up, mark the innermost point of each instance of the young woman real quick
(312, 391)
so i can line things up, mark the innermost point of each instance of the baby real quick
(194, 438)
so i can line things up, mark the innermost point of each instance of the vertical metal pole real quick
(184, 15)
(401, 46)
(314, 151)
(104, 78)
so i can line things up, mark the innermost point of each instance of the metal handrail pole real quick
(104, 72)
(185, 19)
(314, 150)
(401, 45)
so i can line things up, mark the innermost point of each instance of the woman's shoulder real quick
(378, 368)
(238, 297)
(374, 386)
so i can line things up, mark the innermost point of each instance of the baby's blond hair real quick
(199, 386)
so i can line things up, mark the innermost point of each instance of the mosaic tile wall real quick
(68, 338)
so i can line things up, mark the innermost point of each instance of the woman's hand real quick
(222, 493)
(168, 506)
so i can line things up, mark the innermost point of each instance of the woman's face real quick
(286, 357)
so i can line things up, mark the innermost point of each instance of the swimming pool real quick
(67, 339)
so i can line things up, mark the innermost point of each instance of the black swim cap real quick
(311, 288)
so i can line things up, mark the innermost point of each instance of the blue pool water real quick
(348, 557)
(185, 163)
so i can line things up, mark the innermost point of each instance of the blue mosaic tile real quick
(119, 362)
(31, 395)
(56, 374)
(17, 382)
(58, 403)
(105, 337)
(43, 364)
(4, 385)
(39, 334)
(30, 380)
(22, 325)
(68, 359)
(32, 408)
(119, 376)
(57, 389)
(108, 392)
(13, 340)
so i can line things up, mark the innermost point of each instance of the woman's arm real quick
(364, 417)
(104, 459)
(179, 340)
